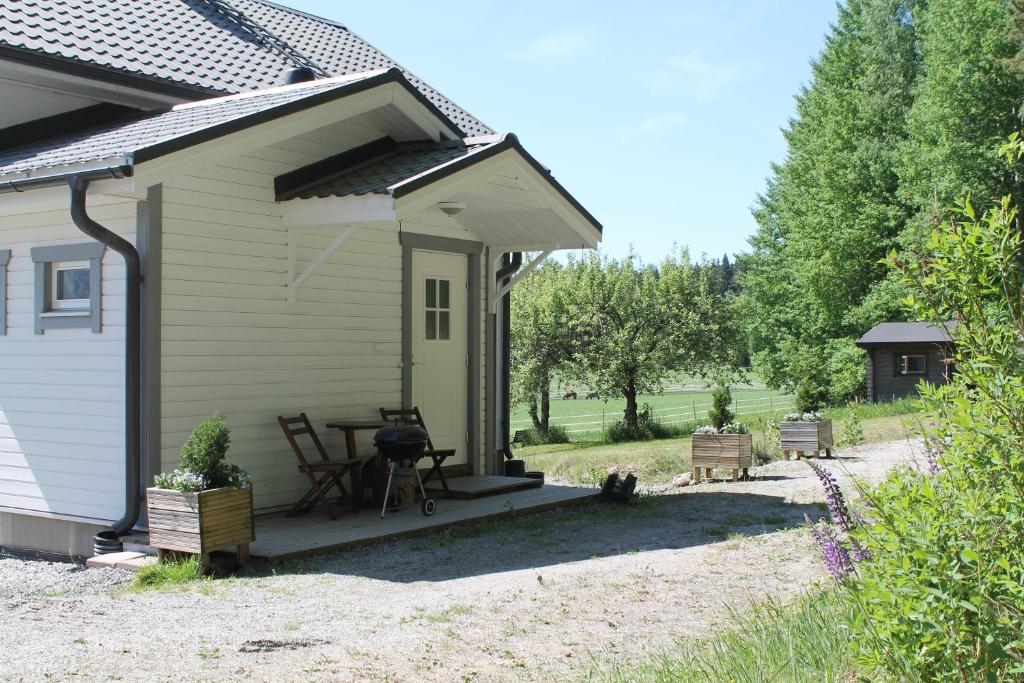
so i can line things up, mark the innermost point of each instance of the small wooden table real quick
(350, 427)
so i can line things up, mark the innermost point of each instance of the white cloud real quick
(562, 44)
(704, 81)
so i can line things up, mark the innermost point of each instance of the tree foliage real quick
(942, 595)
(542, 344)
(635, 325)
(906, 101)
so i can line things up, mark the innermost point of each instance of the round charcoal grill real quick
(402, 445)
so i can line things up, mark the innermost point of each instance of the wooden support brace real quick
(293, 287)
(522, 272)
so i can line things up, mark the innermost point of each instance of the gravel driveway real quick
(544, 597)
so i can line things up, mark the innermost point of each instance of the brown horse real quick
(569, 394)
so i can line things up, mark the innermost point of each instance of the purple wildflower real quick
(860, 553)
(834, 497)
(837, 558)
(932, 452)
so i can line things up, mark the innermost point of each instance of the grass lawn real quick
(659, 461)
(682, 405)
(793, 643)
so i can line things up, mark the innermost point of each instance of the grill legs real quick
(428, 503)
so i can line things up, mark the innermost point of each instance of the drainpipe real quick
(108, 540)
(510, 264)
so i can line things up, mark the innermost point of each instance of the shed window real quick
(911, 364)
(67, 282)
(438, 309)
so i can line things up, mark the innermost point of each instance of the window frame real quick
(901, 367)
(437, 309)
(49, 260)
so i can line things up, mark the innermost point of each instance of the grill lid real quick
(400, 434)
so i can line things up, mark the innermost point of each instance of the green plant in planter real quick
(721, 399)
(202, 463)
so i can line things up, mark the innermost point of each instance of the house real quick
(901, 355)
(239, 208)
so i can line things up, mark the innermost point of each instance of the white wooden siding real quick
(232, 343)
(62, 393)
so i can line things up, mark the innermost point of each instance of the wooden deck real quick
(479, 486)
(280, 537)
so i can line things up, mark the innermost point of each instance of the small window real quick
(911, 364)
(70, 286)
(67, 283)
(437, 309)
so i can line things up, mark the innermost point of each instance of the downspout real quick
(510, 264)
(108, 540)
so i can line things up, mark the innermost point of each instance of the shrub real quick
(853, 431)
(942, 597)
(810, 397)
(648, 428)
(721, 399)
(541, 437)
(202, 461)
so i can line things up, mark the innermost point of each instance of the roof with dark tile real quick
(154, 134)
(200, 43)
(908, 333)
(380, 167)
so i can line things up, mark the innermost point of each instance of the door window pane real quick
(443, 294)
(443, 323)
(431, 292)
(431, 331)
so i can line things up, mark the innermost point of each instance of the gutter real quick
(108, 540)
(510, 264)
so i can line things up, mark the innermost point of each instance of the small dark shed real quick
(900, 355)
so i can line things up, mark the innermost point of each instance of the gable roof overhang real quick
(152, 144)
(506, 197)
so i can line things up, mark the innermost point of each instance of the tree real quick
(635, 325)
(833, 209)
(541, 340)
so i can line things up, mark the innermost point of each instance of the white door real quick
(439, 360)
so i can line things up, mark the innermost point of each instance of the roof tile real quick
(192, 42)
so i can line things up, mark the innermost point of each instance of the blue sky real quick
(662, 117)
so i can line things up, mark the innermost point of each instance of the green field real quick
(680, 405)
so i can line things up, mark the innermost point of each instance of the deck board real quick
(280, 537)
(489, 485)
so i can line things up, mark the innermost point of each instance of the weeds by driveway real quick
(545, 597)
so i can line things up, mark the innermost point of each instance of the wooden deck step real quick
(279, 537)
(467, 488)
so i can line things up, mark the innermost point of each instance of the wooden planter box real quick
(201, 522)
(727, 451)
(805, 437)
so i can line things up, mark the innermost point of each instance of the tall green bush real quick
(942, 597)
(720, 414)
(201, 463)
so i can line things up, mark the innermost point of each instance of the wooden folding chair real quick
(414, 417)
(324, 475)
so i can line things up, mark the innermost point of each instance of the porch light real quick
(452, 208)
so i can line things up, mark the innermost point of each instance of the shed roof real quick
(908, 333)
(154, 134)
(207, 46)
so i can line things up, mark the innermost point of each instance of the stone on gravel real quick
(684, 479)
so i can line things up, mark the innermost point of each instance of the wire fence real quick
(675, 415)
